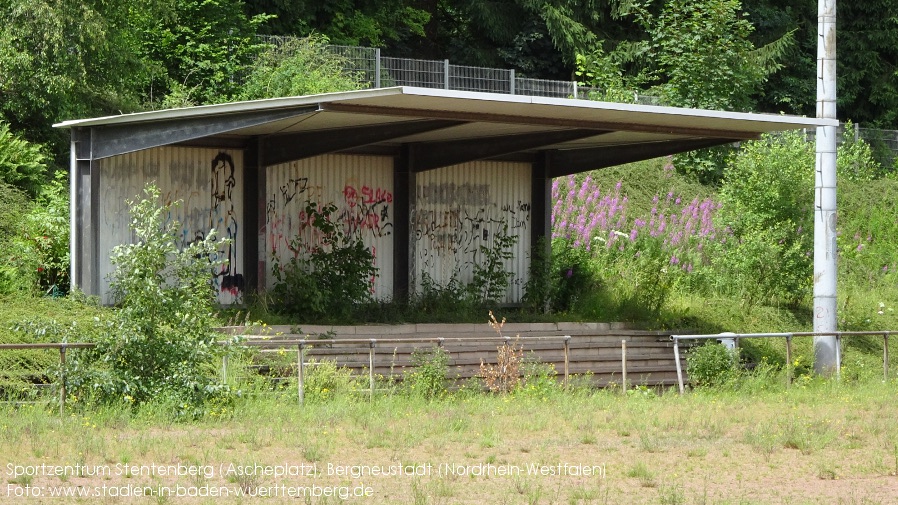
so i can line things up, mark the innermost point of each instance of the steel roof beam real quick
(431, 155)
(113, 140)
(294, 146)
(572, 161)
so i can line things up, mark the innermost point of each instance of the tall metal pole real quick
(826, 356)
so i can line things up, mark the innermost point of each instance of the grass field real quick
(818, 442)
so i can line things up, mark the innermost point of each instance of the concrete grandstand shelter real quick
(424, 176)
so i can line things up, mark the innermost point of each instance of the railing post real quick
(300, 372)
(377, 67)
(679, 368)
(511, 82)
(623, 363)
(567, 359)
(885, 356)
(446, 74)
(838, 356)
(62, 380)
(788, 360)
(371, 365)
(224, 368)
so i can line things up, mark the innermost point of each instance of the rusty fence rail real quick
(788, 336)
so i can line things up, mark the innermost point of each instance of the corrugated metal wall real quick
(460, 208)
(362, 189)
(208, 182)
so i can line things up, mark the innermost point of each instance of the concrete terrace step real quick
(594, 349)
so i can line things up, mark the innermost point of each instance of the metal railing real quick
(788, 336)
(62, 347)
(371, 344)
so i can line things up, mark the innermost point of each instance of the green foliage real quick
(854, 159)
(428, 379)
(160, 345)
(711, 365)
(325, 381)
(48, 234)
(22, 164)
(347, 22)
(767, 197)
(297, 67)
(331, 279)
(490, 277)
(602, 72)
(197, 51)
(442, 303)
(18, 261)
(540, 379)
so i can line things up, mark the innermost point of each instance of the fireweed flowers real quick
(585, 216)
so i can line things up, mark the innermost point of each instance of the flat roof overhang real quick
(440, 127)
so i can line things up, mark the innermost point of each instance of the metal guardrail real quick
(266, 342)
(371, 344)
(62, 346)
(788, 336)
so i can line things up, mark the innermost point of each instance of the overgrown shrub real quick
(160, 346)
(490, 277)
(48, 235)
(296, 67)
(768, 199)
(711, 365)
(19, 262)
(22, 164)
(539, 379)
(324, 381)
(428, 380)
(330, 280)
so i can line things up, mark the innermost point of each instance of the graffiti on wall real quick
(452, 221)
(223, 217)
(202, 187)
(364, 210)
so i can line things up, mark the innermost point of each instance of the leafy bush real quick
(48, 234)
(160, 344)
(539, 379)
(324, 381)
(428, 380)
(767, 197)
(335, 276)
(490, 277)
(22, 164)
(711, 365)
(18, 261)
(296, 67)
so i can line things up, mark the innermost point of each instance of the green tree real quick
(62, 59)
(345, 22)
(197, 50)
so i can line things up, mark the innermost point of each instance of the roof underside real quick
(439, 127)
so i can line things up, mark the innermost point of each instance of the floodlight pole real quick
(826, 356)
